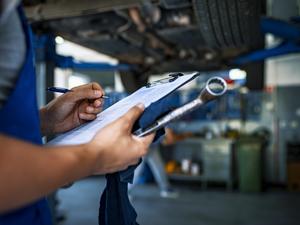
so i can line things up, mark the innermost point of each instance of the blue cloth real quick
(115, 207)
(19, 118)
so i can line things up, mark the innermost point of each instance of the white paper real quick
(86, 132)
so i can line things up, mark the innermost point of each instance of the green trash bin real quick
(249, 161)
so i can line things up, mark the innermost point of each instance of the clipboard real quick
(147, 95)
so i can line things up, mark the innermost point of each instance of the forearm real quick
(28, 172)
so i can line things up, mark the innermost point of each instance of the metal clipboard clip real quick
(172, 77)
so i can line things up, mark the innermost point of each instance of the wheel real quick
(133, 81)
(229, 23)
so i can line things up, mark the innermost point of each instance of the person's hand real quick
(115, 147)
(72, 109)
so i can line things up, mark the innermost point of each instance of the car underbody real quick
(156, 36)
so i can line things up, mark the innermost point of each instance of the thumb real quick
(88, 91)
(144, 143)
(133, 114)
(147, 140)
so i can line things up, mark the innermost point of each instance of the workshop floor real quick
(193, 207)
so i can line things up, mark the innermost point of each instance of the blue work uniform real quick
(19, 118)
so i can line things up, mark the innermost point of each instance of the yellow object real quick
(171, 166)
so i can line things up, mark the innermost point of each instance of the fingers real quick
(144, 143)
(140, 147)
(93, 110)
(86, 116)
(133, 162)
(98, 103)
(88, 91)
(147, 140)
(96, 86)
(90, 112)
(132, 115)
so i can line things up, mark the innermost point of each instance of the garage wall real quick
(283, 71)
(283, 74)
(288, 123)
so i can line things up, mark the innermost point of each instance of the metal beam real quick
(71, 8)
(289, 32)
(67, 62)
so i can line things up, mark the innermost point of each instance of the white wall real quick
(283, 71)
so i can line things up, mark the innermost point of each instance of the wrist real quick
(76, 161)
(86, 159)
(94, 153)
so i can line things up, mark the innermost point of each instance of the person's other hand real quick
(115, 147)
(72, 109)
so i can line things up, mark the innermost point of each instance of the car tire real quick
(230, 23)
(132, 81)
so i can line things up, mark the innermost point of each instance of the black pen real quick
(64, 90)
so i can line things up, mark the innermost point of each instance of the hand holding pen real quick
(77, 106)
(65, 90)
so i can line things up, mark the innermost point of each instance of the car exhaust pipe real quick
(214, 88)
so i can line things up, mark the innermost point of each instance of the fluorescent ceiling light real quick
(59, 40)
(237, 74)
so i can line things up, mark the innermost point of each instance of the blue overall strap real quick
(115, 207)
(19, 118)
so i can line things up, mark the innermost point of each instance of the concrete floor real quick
(193, 207)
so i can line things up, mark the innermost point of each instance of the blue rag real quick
(115, 207)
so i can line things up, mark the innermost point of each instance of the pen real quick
(64, 90)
